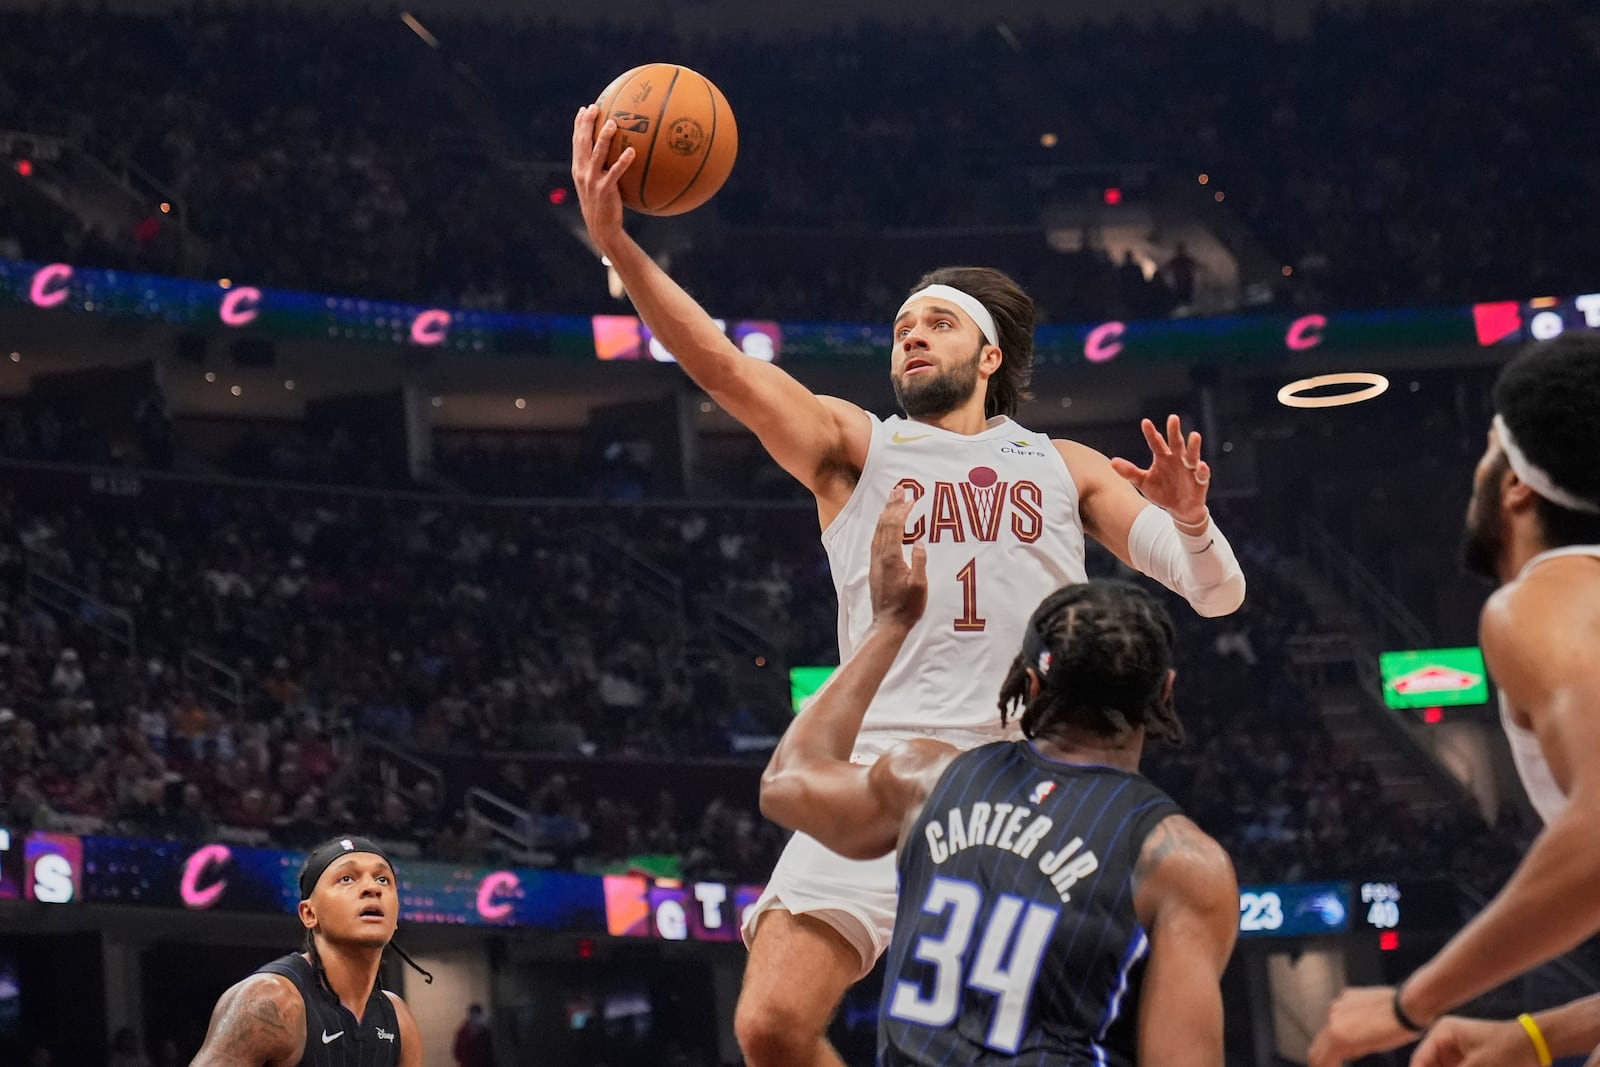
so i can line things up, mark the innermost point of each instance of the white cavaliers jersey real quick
(998, 513)
(1534, 770)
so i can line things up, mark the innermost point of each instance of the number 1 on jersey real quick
(969, 622)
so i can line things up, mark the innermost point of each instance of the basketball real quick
(682, 132)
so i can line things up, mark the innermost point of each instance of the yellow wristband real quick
(1540, 1047)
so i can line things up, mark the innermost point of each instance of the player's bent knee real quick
(772, 1033)
(779, 1021)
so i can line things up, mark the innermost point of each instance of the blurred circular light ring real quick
(1293, 394)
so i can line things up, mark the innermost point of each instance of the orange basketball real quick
(682, 132)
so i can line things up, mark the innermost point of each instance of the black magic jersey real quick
(1016, 939)
(333, 1037)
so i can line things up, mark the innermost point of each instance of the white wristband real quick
(1201, 568)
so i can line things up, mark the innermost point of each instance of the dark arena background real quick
(341, 486)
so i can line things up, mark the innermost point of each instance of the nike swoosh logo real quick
(327, 1037)
(900, 439)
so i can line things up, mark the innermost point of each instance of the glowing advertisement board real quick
(235, 878)
(226, 305)
(55, 869)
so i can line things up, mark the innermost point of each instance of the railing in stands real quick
(59, 595)
(666, 587)
(1351, 578)
(501, 818)
(1566, 978)
(1331, 660)
(214, 678)
(399, 770)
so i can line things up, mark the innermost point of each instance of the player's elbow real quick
(1224, 598)
(781, 797)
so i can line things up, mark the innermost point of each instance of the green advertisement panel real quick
(1434, 677)
(805, 681)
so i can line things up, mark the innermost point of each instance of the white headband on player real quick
(1536, 477)
(965, 301)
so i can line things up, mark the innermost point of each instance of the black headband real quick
(319, 861)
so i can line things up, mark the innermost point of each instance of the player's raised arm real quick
(814, 438)
(1535, 640)
(1186, 894)
(1155, 518)
(810, 784)
(260, 1022)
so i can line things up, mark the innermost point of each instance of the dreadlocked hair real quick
(317, 967)
(1102, 650)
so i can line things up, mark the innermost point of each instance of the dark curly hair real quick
(1013, 321)
(1102, 649)
(1549, 396)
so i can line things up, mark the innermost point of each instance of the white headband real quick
(965, 301)
(1536, 478)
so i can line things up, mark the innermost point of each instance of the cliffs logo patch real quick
(1040, 791)
(685, 136)
(1021, 448)
(630, 122)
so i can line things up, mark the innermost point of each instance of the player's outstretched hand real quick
(1361, 1021)
(899, 591)
(1177, 478)
(1453, 1042)
(597, 186)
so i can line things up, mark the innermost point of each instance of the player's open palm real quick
(1177, 478)
(597, 186)
(899, 590)
(1454, 1042)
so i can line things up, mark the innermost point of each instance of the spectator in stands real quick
(474, 1044)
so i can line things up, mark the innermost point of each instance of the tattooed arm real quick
(1188, 900)
(261, 1022)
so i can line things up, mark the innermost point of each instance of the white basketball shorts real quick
(855, 897)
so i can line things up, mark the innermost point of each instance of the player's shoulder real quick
(1080, 459)
(265, 986)
(1539, 611)
(847, 413)
(1176, 852)
(261, 1019)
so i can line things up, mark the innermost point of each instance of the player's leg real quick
(818, 928)
(782, 1021)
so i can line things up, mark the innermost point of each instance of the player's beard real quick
(927, 396)
(1483, 536)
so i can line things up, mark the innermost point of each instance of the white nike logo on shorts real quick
(327, 1037)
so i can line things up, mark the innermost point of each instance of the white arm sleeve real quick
(1203, 570)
